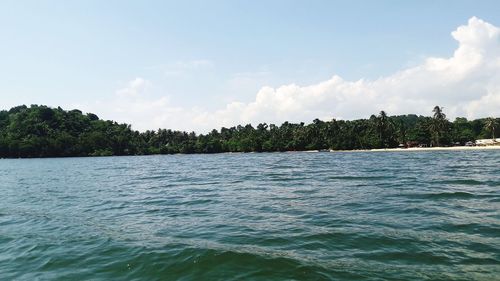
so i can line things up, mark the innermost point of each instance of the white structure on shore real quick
(488, 141)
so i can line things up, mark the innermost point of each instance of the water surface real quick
(269, 216)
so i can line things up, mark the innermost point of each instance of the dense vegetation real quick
(41, 131)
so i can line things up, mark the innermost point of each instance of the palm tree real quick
(402, 132)
(435, 129)
(438, 124)
(438, 113)
(490, 125)
(382, 123)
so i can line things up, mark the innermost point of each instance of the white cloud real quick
(134, 88)
(466, 84)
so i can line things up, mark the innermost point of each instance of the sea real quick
(253, 216)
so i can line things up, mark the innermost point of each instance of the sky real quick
(198, 65)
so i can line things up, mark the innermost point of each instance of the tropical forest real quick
(42, 131)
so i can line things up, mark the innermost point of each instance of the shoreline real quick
(413, 149)
(417, 149)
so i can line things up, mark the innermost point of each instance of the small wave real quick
(214, 264)
(195, 190)
(406, 257)
(486, 230)
(347, 178)
(200, 202)
(461, 182)
(285, 178)
(481, 261)
(445, 195)
(450, 195)
(157, 177)
(306, 191)
(203, 183)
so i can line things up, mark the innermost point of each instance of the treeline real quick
(41, 131)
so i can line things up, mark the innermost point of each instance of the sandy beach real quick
(415, 149)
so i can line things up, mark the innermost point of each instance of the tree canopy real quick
(41, 131)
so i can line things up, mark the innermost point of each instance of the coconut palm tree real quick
(401, 130)
(435, 130)
(490, 125)
(437, 125)
(438, 113)
(383, 125)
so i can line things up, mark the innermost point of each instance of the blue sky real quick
(201, 56)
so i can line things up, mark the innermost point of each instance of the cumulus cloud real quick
(133, 104)
(467, 83)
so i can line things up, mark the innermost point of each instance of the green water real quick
(272, 216)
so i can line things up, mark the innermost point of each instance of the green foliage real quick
(491, 125)
(41, 131)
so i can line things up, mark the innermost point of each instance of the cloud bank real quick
(466, 84)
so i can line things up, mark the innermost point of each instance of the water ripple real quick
(269, 216)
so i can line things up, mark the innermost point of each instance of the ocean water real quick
(269, 216)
